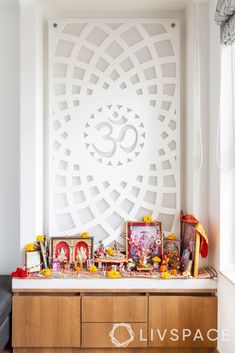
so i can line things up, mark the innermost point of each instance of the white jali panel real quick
(114, 125)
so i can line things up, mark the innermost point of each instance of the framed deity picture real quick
(71, 250)
(33, 261)
(190, 246)
(171, 248)
(144, 240)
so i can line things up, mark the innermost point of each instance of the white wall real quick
(196, 132)
(196, 153)
(9, 139)
(217, 180)
(226, 295)
(214, 172)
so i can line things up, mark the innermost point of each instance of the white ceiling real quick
(115, 5)
(106, 5)
(120, 5)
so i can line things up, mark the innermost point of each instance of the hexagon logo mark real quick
(115, 341)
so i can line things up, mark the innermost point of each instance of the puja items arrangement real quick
(148, 253)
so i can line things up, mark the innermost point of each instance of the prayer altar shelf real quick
(140, 285)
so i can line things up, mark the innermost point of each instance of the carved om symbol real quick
(108, 136)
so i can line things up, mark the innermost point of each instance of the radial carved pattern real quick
(114, 125)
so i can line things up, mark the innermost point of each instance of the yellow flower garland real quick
(148, 219)
(110, 251)
(46, 272)
(92, 268)
(166, 275)
(40, 238)
(113, 274)
(85, 235)
(156, 259)
(29, 247)
(171, 237)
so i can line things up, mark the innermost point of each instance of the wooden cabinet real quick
(91, 322)
(114, 308)
(46, 321)
(111, 321)
(107, 335)
(182, 321)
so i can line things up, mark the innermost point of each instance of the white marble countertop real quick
(114, 284)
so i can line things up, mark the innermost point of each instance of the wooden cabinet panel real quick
(114, 309)
(46, 321)
(98, 335)
(182, 314)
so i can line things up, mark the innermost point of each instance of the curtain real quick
(225, 17)
(226, 131)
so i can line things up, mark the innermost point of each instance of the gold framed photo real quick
(71, 250)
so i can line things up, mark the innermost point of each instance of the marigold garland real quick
(46, 272)
(147, 219)
(166, 275)
(92, 268)
(171, 236)
(110, 251)
(29, 247)
(113, 274)
(85, 235)
(40, 238)
(156, 259)
(174, 272)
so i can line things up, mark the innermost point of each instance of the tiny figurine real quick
(164, 264)
(143, 265)
(62, 255)
(116, 247)
(89, 262)
(56, 265)
(101, 250)
(122, 269)
(130, 265)
(81, 256)
(156, 261)
(109, 255)
(174, 262)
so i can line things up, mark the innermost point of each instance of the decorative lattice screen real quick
(114, 125)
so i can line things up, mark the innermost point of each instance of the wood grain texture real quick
(114, 309)
(172, 312)
(44, 321)
(113, 350)
(96, 335)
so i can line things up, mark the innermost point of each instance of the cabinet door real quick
(46, 321)
(173, 318)
(111, 335)
(114, 309)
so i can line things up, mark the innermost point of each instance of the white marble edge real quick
(122, 284)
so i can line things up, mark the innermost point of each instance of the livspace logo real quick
(122, 335)
(116, 340)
